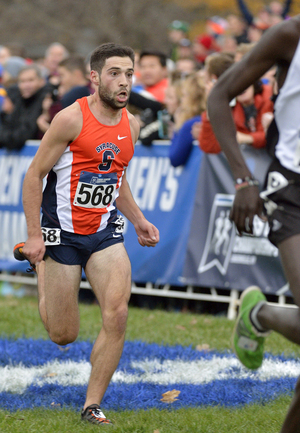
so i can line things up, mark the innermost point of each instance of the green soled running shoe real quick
(248, 342)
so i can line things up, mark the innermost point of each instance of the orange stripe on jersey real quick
(100, 154)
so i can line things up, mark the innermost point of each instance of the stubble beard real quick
(108, 99)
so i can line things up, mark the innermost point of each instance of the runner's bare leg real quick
(286, 321)
(40, 270)
(58, 287)
(109, 273)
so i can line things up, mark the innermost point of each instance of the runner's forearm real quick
(32, 199)
(127, 205)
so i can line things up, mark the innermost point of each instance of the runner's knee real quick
(63, 336)
(114, 320)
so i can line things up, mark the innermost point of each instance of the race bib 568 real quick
(95, 190)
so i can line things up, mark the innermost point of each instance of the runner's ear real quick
(95, 77)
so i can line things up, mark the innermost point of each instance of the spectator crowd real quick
(169, 89)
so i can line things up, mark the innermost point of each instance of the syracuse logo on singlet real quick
(97, 190)
(110, 150)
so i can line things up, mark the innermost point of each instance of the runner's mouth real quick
(122, 96)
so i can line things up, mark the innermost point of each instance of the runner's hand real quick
(148, 234)
(247, 204)
(34, 249)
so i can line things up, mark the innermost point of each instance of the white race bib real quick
(95, 190)
(51, 236)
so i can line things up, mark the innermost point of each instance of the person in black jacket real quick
(23, 107)
(149, 112)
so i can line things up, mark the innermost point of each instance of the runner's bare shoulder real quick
(285, 38)
(68, 122)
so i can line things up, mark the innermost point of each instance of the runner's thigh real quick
(61, 294)
(109, 273)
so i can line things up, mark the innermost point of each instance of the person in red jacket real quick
(215, 65)
(247, 110)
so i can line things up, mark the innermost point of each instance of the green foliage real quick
(223, 7)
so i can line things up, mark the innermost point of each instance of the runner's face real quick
(115, 82)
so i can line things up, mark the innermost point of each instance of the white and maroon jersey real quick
(287, 116)
(81, 188)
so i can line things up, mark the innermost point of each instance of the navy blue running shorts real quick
(75, 249)
(284, 220)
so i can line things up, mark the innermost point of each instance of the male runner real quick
(86, 151)
(280, 46)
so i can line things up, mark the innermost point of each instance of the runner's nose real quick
(123, 80)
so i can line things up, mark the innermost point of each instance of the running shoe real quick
(95, 415)
(19, 255)
(248, 342)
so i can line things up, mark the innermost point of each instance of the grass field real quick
(20, 318)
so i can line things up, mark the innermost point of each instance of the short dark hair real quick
(74, 63)
(162, 57)
(107, 50)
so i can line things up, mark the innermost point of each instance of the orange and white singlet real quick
(82, 186)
